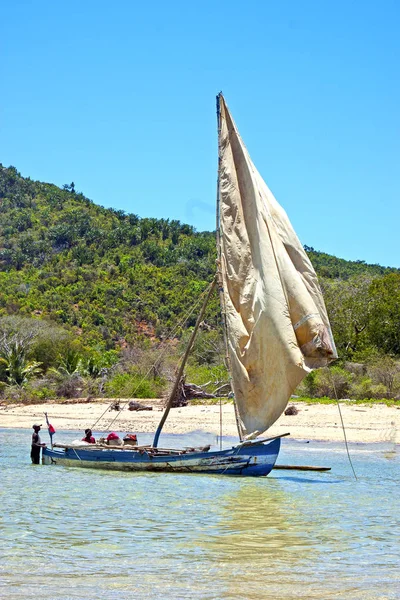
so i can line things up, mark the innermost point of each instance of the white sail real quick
(277, 325)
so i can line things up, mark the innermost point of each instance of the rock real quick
(291, 410)
(138, 406)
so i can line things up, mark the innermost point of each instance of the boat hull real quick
(254, 460)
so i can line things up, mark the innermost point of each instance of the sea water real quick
(71, 533)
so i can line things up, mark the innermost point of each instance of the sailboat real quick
(276, 326)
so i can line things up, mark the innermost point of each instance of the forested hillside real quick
(106, 280)
(97, 270)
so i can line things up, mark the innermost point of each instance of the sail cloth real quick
(277, 324)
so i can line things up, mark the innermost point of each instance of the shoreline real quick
(377, 423)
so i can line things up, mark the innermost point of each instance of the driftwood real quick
(188, 391)
(180, 398)
(77, 400)
(133, 405)
(195, 391)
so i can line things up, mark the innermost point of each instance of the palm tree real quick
(70, 363)
(15, 365)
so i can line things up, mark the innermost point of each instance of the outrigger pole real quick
(183, 363)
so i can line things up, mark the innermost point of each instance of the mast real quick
(183, 363)
(219, 263)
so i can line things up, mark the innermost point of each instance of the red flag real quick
(50, 427)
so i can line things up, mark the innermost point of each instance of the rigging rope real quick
(341, 418)
(170, 336)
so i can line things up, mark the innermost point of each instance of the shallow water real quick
(77, 533)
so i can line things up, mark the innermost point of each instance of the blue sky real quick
(120, 98)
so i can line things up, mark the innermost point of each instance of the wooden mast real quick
(183, 363)
(219, 262)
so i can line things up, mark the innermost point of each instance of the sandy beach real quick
(363, 423)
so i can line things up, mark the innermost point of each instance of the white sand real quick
(375, 423)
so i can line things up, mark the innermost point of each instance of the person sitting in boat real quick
(88, 437)
(114, 440)
(130, 439)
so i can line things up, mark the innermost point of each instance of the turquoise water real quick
(76, 533)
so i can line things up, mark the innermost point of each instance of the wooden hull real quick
(254, 460)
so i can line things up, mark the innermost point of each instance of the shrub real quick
(308, 387)
(385, 371)
(366, 389)
(40, 389)
(67, 385)
(133, 385)
(332, 382)
(97, 364)
(14, 393)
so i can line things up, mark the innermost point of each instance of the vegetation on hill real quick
(97, 271)
(87, 294)
(331, 267)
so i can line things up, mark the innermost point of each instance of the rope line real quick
(344, 431)
(170, 336)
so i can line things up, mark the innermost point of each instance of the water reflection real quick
(257, 525)
(296, 537)
(95, 534)
(263, 539)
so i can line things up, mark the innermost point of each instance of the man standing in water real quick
(36, 445)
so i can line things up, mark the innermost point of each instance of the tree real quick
(15, 366)
(349, 305)
(69, 187)
(384, 321)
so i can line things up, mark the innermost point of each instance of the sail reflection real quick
(261, 542)
(255, 526)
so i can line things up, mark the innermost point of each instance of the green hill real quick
(111, 277)
(97, 270)
(332, 267)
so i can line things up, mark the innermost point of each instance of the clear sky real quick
(120, 98)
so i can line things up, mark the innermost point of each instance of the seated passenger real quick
(88, 437)
(130, 439)
(114, 440)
